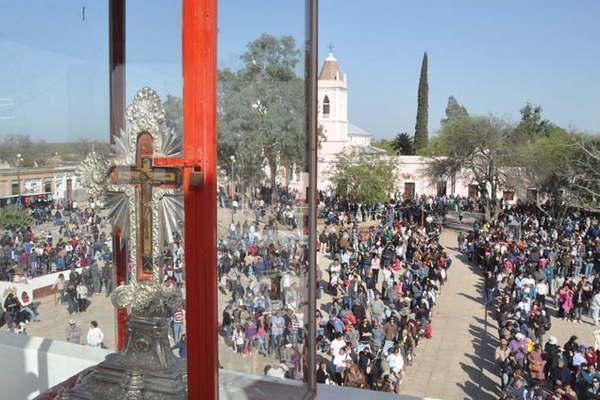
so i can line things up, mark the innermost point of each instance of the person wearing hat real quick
(518, 347)
(551, 353)
(73, 333)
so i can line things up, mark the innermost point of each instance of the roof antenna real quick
(83, 13)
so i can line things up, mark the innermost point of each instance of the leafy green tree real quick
(583, 172)
(385, 145)
(541, 159)
(12, 217)
(404, 144)
(261, 109)
(532, 126)
(368, 179)
(421, 130)
(454, 110)
(270, 57)
(476, 147)
(532, 122)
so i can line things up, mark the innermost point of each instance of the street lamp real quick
(232, 158)
(19, 162)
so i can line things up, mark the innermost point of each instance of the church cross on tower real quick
(331, 48)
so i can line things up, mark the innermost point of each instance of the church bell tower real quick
(333, 105)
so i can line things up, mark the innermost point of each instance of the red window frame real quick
(199, 42)
(200, 145)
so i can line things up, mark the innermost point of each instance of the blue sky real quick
(492, 56)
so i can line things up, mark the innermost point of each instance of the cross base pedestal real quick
(146, 369)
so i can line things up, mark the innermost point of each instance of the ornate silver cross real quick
(143, 199)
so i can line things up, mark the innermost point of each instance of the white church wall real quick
(409, 169)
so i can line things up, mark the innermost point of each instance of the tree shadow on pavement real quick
(473, 392)
(468, 296)
(482, 373)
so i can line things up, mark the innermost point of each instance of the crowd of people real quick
(64, 240)
(262, 262)
(537, 268)
(383, 272)
(71, 238)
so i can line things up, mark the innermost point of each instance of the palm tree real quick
(404, 144)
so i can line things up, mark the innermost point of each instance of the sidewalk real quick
(457, 363)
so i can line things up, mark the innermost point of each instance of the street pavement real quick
(55, 318)
(457, 362)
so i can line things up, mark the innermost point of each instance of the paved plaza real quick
(54, 320)
(457, 363)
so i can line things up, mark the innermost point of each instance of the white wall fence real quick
(32, 365)
(39, 282)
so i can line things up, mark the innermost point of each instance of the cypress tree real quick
(421, 134)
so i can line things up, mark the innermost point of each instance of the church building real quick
(338, 134)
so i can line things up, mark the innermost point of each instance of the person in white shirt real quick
(396, 363)
(337, 344)
(596, 308)
(95, 337)
(541, 290)
(339, 360)
(277, 370)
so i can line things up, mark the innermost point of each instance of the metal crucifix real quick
(145, 176)
(144, 196)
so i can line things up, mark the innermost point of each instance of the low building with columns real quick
(58, 181)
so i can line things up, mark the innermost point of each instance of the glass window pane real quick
(56, 253)
(153, 60)
(262, 236)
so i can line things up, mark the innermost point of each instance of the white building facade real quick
(339, 135)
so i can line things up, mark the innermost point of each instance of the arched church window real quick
(326, 106)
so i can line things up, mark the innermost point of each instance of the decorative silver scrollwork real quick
(148, 298)
(93, 174)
